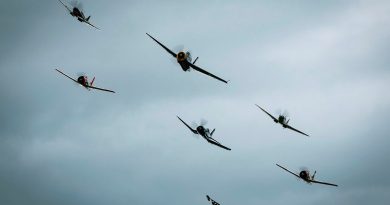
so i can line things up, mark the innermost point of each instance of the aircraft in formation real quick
(282, 119)
(211, 200)
(185, 61)
(78, 13)
(305, 175)
(83, 81)
(205, 133)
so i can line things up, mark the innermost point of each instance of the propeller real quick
(76, 4)
(203, 122)
(303, 168)
(178, 48)
(81, 74)
(283, 113)
(194, 125)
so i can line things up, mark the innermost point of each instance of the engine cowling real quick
(82, 80)
(304, 175)
(181, 56)
(201, 130)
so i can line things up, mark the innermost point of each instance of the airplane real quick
(185, 61)
(205, 133)
(305, 175)
(76, 12)
(282, 120)
(83, 81)
(212, 201)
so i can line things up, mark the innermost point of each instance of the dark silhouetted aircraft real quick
(76, 12)
(205, 133)
(305, 175)
(185, 61)
(282, 120)
(211, 200)
(83, 81)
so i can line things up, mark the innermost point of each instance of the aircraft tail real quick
(93, 80)
(195, 60)
(88, 18)
(212, 132)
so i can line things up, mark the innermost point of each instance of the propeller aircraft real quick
(77, 12)
(185, 61)
(83, 81)
(205, 133)
(282, 119)
(305, 175)
(211, 200)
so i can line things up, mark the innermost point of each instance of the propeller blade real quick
(194, 125)
(178, 48)
(203, 122)
(76, 4)
(81, 74)
(303, 168)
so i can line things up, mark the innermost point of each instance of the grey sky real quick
(326, 62)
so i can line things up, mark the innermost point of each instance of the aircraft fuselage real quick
(305, 175)
(78, 14)
(281, 119)
(202, 131)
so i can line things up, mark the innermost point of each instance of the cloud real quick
(325, 64)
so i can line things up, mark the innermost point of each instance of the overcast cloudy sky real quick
(325, 62)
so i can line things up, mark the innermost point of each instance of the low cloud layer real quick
(324, 62)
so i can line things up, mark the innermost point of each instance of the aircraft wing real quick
(205, 72)
(102, 89)
(288, 171)
(291, 128)
(276, 120)
(167, 49)
(317, 182)
(214, 142)
(192, 130)
(65, 6)
(67, 76)
(87, 22)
